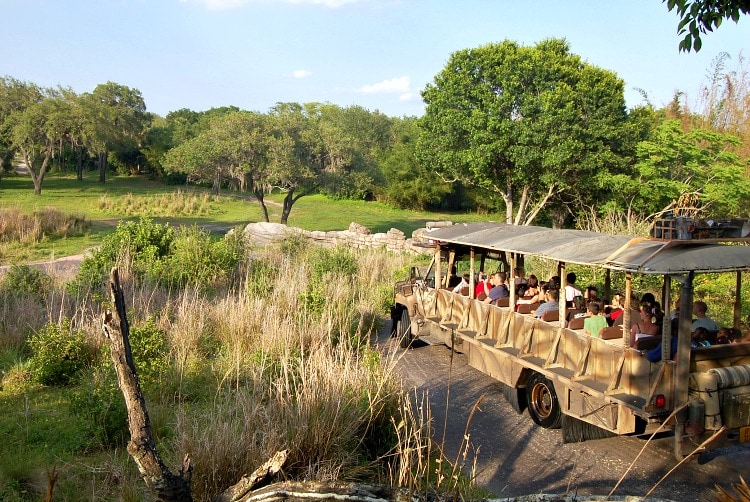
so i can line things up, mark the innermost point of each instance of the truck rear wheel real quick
(542, 402)
(404, 329)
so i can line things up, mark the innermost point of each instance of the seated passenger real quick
(534, 292)
(614, 310)
(519, 276)
(724, 336)
(595, 322)
(483, 286)
(698, 338)
(499, 290)
(551, 302)
(702, 320)
(644, 327)
(571, 291)
(463, 284)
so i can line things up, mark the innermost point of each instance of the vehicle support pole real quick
(737, 301)
(628, 308)
(472, 273)
(562, 301)
(682, 367)
(666, 325)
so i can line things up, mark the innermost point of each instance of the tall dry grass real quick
(16, 226)
(253, 372)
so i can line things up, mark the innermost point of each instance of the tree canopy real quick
(525, 124)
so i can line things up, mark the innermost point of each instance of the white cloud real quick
(301, 73)
(395, 85)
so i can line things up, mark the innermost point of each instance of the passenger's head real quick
(553, 294)
(571, 278)
(591, 293)
(519, 272)
(533, 282)
(617, 300)
(593, 307)
(723, 336)
(700, 334)
(648, 298)
(554, 281)
(466, 277)
(700, 308)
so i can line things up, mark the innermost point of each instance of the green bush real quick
(187, 256)
(338, 261)
(24, 280)
(100, 407)
(150, 351)
(59, 354)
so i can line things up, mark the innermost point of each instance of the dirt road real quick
(516, 457)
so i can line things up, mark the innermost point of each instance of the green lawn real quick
(105, 205)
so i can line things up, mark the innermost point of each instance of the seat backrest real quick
(526, 308)
(464, 291)
(611, 333)
(576, 323)
(551, 315)
(482, 296)
(502, 302)
(647, 342)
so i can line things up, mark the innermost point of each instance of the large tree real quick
(115, 117)
(234, 148)
(524, 124)
(673, 162)
(35, 123)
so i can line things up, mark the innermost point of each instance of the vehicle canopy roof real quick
(615, 252)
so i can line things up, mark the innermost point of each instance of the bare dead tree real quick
(166, 485)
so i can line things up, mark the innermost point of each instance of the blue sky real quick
(378, 54)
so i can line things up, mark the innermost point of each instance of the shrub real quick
(101, 408)
(261, 278)
(337, 261)
(59, 354)
(150, 352)
(24, 280)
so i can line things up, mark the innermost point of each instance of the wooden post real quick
(141, 447)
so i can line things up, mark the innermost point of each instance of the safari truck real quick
(590, 386)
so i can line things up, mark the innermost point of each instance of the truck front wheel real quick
(404, 329)
(541, 400)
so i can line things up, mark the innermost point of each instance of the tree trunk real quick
(102, 167)
(79, 163)
(167, 486)
(287, 206)
(261, 199)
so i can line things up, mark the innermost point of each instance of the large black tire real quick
(542, 402)
(404, 330)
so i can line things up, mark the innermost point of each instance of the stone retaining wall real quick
(356, 236)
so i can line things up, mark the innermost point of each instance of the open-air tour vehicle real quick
(592, 387)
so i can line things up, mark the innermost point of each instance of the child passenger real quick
(595, 322)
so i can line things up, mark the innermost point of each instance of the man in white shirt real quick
(570, 288)
(703, 321)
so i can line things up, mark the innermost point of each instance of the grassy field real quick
(103, 206)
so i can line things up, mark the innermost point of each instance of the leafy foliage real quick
(162, 254)
(59, 354)
(524, 124)
(702, 16)
(25, 280)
